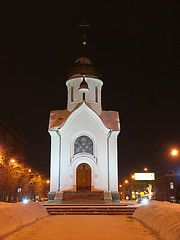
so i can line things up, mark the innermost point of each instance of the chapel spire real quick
(84, 25)
(83, 66)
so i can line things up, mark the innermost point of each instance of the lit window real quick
(171, 185)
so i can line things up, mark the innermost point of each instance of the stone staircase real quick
(90, 209)
(75, 196)
(88, 203)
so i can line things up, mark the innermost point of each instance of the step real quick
(91, 213)
(82, 195)
(83, 201)
(90, 209)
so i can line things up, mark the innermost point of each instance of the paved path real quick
(94, 227)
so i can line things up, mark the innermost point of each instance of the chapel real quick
(83, 138)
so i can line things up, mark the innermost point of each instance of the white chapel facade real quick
(83, 138)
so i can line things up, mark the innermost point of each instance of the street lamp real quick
(126, 181)
(12, 161)
(174, 152)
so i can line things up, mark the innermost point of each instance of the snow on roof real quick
(84, 60)
(58, 118)
(111, 120)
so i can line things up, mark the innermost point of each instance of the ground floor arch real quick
(83, 177)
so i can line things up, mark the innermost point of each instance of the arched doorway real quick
(83, 177)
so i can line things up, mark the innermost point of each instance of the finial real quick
(84, 25)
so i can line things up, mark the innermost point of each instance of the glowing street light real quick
(145, 169)
(12, 161)
(174, 152)
(29, 170)
(133, 177)
(47, 181)
(126, 181)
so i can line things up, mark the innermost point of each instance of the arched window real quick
(83, 144)
(96, 94)
(72, 97)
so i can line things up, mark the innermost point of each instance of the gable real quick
(110, 119)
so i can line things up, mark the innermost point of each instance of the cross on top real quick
(84, 25)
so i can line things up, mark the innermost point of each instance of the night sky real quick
(136, 46)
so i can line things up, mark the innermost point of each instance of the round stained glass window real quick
(83, 144)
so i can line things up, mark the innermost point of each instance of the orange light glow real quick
(145, 169)
(132, 176)
(29, 170)
(48, 181)
(174, 152)
(126, 181)
(12, 161)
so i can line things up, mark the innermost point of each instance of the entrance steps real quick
(90, 209)
(83, 196)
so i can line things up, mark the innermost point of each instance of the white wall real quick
(54, 165)
(103, 162)
(84, 121)
(113, 161)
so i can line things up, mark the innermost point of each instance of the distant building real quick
(134, 189)
(10, 140)
(168, 187)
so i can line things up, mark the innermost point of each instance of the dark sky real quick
(135, 44)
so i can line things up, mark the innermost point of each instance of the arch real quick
(83, 177)
(83, 144)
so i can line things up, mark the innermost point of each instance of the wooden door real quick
(83, 177)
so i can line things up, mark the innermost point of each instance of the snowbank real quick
(13, 216)
(162, 217)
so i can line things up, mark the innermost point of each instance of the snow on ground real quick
(14, 216)
(84, 227)
(161, 217)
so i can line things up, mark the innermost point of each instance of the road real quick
(77, 227)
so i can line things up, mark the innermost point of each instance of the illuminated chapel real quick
(83, 138)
